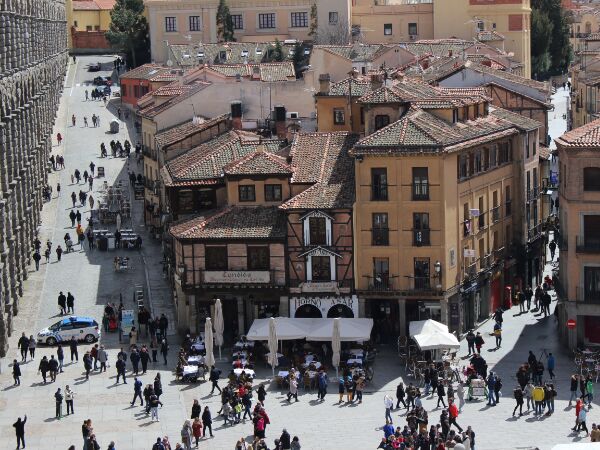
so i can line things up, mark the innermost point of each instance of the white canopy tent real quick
(311, 329)
(425, 326)
(436, 340)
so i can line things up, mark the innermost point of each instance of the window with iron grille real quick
(339, 117)
(170, 24)
(238, 21)
(333, 17)
(266, 21)
(299, 19)
(420, 183)
(380, 231)
(194, 23)
(421, 229)
(379, 186)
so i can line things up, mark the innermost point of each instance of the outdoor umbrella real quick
(336, 345)
(219, 325)
(209, 360)
(273, 360)
(118, 221)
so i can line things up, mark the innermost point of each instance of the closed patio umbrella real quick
(208, 342)
(336, 345)
(219, 325)
(273, 360)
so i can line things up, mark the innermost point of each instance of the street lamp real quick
(438, 273)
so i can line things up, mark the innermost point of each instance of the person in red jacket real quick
(453, 415)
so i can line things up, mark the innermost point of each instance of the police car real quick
(83, 328)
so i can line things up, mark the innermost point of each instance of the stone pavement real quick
(328, 425)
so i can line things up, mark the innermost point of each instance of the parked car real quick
(83, 328)
(94, 67)
(102, 81)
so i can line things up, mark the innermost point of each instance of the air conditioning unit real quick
(292, 115)
(413, 37)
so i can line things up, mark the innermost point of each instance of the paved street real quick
(91, 278)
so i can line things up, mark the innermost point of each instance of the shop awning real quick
(311, 329)
(425, 326)
(436, 340)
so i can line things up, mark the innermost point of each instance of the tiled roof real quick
(440, 47)
(544, 152)
(419, 131)
(191, 55)
(583, 137)
(508, 76)
(183, 130)
(282, 71)
(522, 122)
(105, 4)
(358, 86)
(145, 72)
(164, 76)
(356, 52)
(178, 93)
(259, 163)
(88, 5)
(425, 94)
(322, 159)
(489, 36)
(234, 222)
(206, 162)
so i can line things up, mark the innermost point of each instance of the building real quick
(578, 286)
(585, 84)
(144, 79)
(584, 22)
(88, 22)
(440, 183)
(32, 68)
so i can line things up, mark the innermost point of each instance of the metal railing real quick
(381, 283)
(380, 236)
(508, 208)
(379, 193)
(495, 214)
(421, 237)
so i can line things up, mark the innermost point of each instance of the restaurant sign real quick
(324, 304)
(237, 276)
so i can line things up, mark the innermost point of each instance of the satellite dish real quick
(169, 63)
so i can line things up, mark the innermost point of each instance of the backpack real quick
(158, 446)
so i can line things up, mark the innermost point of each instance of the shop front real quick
(315, 307)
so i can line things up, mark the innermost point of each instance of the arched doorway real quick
(308, 312)
(340, 311)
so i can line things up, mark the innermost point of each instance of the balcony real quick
(148, 152)
(467, 228)
(420, 192)
(380, 236)
(534, 233)
(379, 193)
(588, 245)
(508, 208)
(495, 214)
(381, 283)
(422, 286)
(421, 237)
(481, 221)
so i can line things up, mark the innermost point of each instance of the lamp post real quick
(438, 273)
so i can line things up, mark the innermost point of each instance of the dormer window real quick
(246, 193)
(317, 229)
(244, 53)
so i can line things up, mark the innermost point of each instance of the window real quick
(247, 193)
(494, 157)
(478, 162)
(194, 23)
(170, 24)
(96, 27)
(467, 220)
(420, 183)
(381, 120)
(75, 23)
(381, 273)
(504, 153)
(481, 217)
(421, 229)
(463, 166)
(321, 268)
(387, 29)
(421, 273)
(216, 258)
(592, 283)
(591, 231)
(480, 25)
(317, 230)
(333, 17)
(185, 200)
(591, 179)
(266, 21)
(238, 21)
(88, 28)
(412, 29)
(272, 192)
(339, 117)
(299, 19)
(258, 258)
(379, 186)
(508, 201)
(380, 230)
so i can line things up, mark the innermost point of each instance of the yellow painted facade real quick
(85, 20)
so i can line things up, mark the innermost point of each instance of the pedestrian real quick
(460, 393)
(62, 303)
(550, 394)
(58, 397)
(120, 366)
(497, 388)
(158, 390)
(85, 121)
(491, 384)
(293, 391)
(400, 394)
(471, 341)
(552, 247)
(92, 167)
(87, 364)
(58, 189)
(453, 416)
(36, 258)
(137, 391)
(60, 355)
(538, 398)
(77, 174)
(479, 342)
(154, 348)
(73, 348)
(441, 393)
(23, 345)
(154, 403)
(32, 345)
(90, 186)
(85, 176)
(581, 418)
(133, 336)
(164, 349)
(197, 430)
(196, 410)
(144, 358)
(262, 394)
(86, 95)
(16, 373)
(47, 255)
(285, 440)
(498, 333)
(207, 421)
(72, 216)
(528, 296)
(186, 435)
(70, 303)
(94, 355)
(43, 368)
(53, 368)
(69, 396)
(388, 403)
(73, 198)
(522, 301)
(135, 360)
(78, 217)
(550, 364)
(20, 431)
(589, 389)
(59, 138)
(102, 358)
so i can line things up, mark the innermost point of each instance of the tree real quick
(128, 31)
(277, 54)
(334, 34)
(550, 48)
(224, 23)
(312, 30)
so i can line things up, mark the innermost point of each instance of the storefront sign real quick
(319, 286)
(324, 304)
(127, 321)
(237, 276)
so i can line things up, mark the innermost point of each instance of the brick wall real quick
(89, 39)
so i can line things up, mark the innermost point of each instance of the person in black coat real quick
(135, 361)
(164, 350)
(87, 364)
(62, 303)
(285, 440)
(43, 368)
(207, 421)
(120, 365)
(17, 374)
(20, 431)
(441, 392)
(144, 358)
(23, 346)
(196, 410)
(70, 303)
(73, 348)
(400, 394)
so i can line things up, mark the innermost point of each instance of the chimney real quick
(324, 82)
(280, 128)
(236, 115)
(450, 53)
(376, 80)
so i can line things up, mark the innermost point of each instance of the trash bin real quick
(114, 126)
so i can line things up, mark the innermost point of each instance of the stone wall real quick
(89, 40)
(33, 60)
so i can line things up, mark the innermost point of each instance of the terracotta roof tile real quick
(358, 86)
(178, 93)
(182, 131)
(356, 52)
(489, 36)
(234, 222)
(145, 72)
(586, 136)
(425, 94)
(272, 72)
(85, 6)
(259, 162)
(192, 55)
